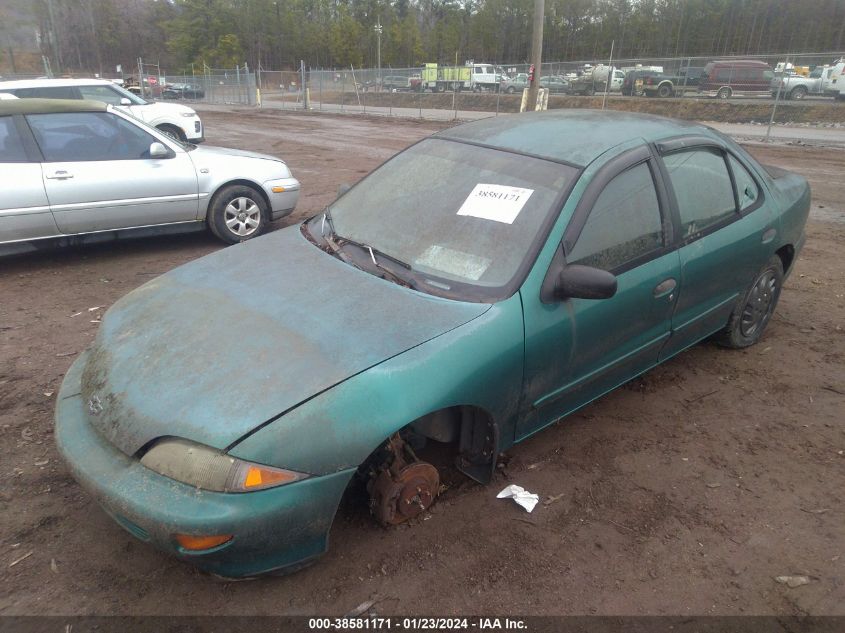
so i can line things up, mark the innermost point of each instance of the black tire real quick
(753, 313)
(510, 90)
(173, 132)
(798, 93)
(237, 213)
(664, 91)
(724, 93)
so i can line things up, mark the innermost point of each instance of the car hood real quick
(210, 151)
(155, 109)
(214, 348)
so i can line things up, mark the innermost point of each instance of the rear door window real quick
(702, 188)
(88, 136)
(11, 146)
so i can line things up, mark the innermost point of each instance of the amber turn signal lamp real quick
(258, 477)
(278, 189)
(196, 543)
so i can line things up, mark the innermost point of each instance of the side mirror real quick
(159, 150)
(124, 101)
(584, 282)
(343, 188)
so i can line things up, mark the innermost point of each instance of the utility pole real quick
(379, 28)
(536, 52)
(54, 37)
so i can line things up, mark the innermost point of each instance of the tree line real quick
(180, 35)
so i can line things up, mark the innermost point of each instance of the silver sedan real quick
(82, 171)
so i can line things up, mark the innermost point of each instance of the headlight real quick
(190, 115)
(209, 469)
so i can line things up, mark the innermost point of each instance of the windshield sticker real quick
(500, 203)
(455, 263)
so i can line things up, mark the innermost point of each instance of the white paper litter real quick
(499, 203)
(519, 494)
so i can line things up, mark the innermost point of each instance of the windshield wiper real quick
(402, 281)
(337, 242)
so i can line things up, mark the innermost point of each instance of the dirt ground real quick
(685, 492)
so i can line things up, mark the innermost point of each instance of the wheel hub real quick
(398, 496)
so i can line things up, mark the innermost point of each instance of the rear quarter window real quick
(48, 92)
(11, 146)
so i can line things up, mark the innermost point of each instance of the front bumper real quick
(273, 529)
(282, 202)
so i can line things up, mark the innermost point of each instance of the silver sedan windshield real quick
(455, 211)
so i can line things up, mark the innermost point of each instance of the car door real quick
(99, 175)
(578, 349)
(725, 233)
(24, 210)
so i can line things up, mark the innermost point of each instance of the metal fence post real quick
(775, 104)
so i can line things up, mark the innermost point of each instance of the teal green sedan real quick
(474, 289)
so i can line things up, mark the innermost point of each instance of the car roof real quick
(49, 106)
(43, 83)
(575, 137)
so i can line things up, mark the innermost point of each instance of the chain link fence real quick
(416, 92)
(455, 92)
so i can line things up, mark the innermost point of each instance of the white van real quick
(178, 121)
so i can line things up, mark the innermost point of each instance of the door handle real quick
(665, 287)
(60, 175)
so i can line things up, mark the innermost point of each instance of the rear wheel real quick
(724, 93)
(753, 313)
(664, 91)
(237, 213)
(798, 93)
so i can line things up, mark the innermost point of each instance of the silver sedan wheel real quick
(242, 216)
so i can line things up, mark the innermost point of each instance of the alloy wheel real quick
(761, 302)
(242, 216)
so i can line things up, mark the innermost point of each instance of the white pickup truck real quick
(837, 80)
(820, 82)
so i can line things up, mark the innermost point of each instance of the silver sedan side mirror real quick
(125, 101)
(158, 150)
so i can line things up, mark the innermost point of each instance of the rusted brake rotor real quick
(397, 498)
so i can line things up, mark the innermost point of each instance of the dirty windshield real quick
(454, 211)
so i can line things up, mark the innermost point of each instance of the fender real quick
(341, 427)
